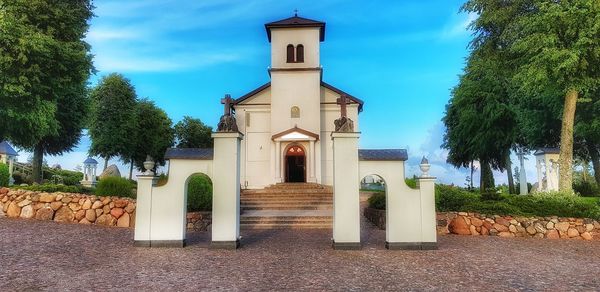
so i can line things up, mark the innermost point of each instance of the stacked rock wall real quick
(463, 223)
(67, 207)
(508, 226)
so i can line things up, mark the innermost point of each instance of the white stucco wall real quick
(308, 37)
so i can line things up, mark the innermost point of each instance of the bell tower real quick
(295, 73)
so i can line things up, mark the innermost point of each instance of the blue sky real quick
(401, 57)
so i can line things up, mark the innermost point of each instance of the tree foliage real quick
(192, 133)
(153, 134)
(44, 68)
(113, 118)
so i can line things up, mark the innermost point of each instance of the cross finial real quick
(227, 101)
(295, 12)
(343, 101)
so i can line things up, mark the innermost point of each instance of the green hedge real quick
(450, 198)
(199, 193)
(377, 201)
(586, 189)
(115, 186)
(51, 188)
(4, 175)
(68, 177)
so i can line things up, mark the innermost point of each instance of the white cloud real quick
(458, 26)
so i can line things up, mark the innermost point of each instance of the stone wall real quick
(463, 223)
(377, 217)
(67, 207)
(199, 221)
(508, 226)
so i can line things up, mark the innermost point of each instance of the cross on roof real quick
(343, 101)
(227, 102)
(295, 12)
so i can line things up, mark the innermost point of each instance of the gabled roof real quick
(296, 21)
(189, 153)
(5, 148)
(297, 130)
(382, 154)
(326, 85)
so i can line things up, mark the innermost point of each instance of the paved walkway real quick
(37, 255)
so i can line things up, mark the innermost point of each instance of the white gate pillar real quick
(226, 190)
(346, 200)
(143, 223)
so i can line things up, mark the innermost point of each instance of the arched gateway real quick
(295, 130)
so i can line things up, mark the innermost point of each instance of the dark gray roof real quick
(383, 154)
(189, 153)
(547, 150)
(296, 21)
(5, 148)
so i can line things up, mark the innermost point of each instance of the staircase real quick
(287, 205)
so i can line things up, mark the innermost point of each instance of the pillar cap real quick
(227, 135)
(345, 134)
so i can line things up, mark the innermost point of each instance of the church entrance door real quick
(295, 164)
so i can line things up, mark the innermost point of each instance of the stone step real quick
(280, 226)
(297, 186)
(287, 207)
(287, 191)
(284, 201)
(286, 222)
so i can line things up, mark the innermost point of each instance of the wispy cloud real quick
(458, 26)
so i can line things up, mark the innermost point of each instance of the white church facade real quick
(287, 123)
(284, 153)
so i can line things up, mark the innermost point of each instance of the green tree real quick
(192, 133)
(556, 45)
(113, 117)
(153, 135)
(44, 68)
(480, 123)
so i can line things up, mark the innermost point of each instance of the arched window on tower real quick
(290, 53)
(300, 54)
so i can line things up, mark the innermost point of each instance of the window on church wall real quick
(295, 112)
(290, 53)
(300, 54)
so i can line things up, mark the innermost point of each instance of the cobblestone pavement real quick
(39, 255)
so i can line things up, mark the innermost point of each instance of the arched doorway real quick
(295, 164)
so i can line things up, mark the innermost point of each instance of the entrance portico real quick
(295, 150)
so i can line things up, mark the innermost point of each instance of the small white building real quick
(287, 122)
(546, 161)
(8, 155)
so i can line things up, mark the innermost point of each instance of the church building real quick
(287, 122)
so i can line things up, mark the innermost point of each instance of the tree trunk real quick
(565, 182)
(511, 182)
(595, 163)
(131, 169)
(36, 164)
(472, 170)
(105, 163)
(486, 180)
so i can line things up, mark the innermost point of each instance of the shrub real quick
(4, 175)
(411, 182)
(199, 193)
(491, 195)
(586, 189)
(68, 177)
(20, 178)
(377, 201)
(51, 188)
(491, 207)
(451, 198)
(556, 204)
(115, 186)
